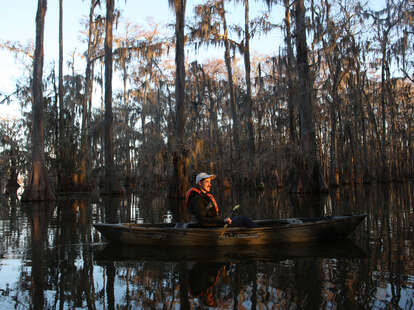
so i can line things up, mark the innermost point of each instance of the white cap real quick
(203, 175)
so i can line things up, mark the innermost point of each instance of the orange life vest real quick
(199, 192)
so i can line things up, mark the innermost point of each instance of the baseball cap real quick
(203, 175)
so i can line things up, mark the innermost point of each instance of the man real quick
(203, 206)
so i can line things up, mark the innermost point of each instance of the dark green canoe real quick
(297, 230)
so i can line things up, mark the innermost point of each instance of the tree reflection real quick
(39, 214)
(86, 273)
(110, 286)
(202, 279)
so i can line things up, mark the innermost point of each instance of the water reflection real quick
(203, 277)
(231, 277)
(39, 214)
(54, 259)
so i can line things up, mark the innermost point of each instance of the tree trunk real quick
(83, 181)
(333, 163)
(290, 75)
(109, 187)
(214, 135)
(384, 171)
(227, 59)
(126, 109)
(249, 103)
(233, 103)
(62, 137)
(335, 71)
(180, 152)
(12, 185)
(180, 68)
(39, 186)
(365, 164)
(307, 176)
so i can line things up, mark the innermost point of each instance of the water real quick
(54, 259)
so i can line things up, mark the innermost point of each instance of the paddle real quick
(232, 213)
(234, 209)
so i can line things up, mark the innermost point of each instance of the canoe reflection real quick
(194, 277)
(344, 249)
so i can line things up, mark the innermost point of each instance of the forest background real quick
(139, 108)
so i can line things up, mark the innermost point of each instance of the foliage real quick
(360, 66)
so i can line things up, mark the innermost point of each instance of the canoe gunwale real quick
(268, 224)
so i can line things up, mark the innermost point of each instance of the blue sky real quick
(17, 23)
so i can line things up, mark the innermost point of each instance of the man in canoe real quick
(202, 205)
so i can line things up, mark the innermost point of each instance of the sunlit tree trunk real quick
(39, 186)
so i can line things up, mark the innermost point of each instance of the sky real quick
(17, 23)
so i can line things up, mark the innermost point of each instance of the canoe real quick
(295, 230)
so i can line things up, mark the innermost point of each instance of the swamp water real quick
(53, 258)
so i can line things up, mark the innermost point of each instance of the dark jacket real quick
(202, 208)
